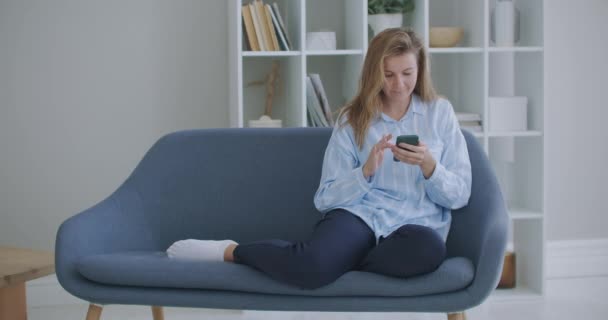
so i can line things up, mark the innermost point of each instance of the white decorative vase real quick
(379, 22)
(504, 24)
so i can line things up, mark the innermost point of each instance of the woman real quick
(380, 215)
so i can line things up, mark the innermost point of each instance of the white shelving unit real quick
(464, 74)
(339, 68)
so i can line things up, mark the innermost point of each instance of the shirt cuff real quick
(363, 182)
(438, 175)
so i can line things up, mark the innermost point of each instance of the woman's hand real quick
(376, 155)
(416, 155)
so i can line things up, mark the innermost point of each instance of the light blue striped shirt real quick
(397, 193)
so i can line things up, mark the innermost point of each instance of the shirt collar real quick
(416, 106)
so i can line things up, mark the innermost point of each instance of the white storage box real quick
(322, 40)
(508, 114)
(265, 122)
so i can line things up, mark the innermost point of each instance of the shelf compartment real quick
(467, 14)
(291, 14)
(459, 77)
(529, 239)
(344, 17)
(416, 19)
(526, 238)
(335, 72)
(518, 163)
(288, 94)
(530, 23)
(519, 73)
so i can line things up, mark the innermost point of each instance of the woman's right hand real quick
(376, 155)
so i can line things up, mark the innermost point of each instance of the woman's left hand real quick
(416, 155)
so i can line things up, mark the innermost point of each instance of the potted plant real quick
(382, 14)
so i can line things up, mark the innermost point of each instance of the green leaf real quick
(389, 6)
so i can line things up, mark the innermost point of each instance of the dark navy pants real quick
(342, 242)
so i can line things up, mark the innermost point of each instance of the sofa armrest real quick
(115, 224)
(490, 261)
(479, 230)
(486, 249)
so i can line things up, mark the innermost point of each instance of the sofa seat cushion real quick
(155, 269)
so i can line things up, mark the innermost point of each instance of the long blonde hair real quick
(367, 103)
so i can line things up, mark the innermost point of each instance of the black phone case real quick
(409, 139)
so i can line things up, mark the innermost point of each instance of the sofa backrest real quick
(250, 184)
(243, 184)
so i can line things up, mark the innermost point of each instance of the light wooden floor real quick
(566, 299)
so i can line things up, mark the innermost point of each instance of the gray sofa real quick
(251, 184)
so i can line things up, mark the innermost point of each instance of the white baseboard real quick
(577, 258)
(565, 259)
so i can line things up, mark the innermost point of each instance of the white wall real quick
(576, 68)
(86, 86)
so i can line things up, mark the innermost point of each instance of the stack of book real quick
(264, 28)
(317, 105)
(469, 121)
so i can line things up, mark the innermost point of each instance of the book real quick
(309, 119)
(259, 32)
(273, 34)
(277, 13)
(469, 123)
(320, 91)
(250, 29)
(313, 105)
(261, 13)
(313, 120)
(277, 28)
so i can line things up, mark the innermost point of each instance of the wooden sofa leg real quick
(457, 316)
(157, 313)
(94, 312)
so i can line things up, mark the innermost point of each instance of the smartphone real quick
(406, 138)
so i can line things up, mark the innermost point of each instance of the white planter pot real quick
(379, 22)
